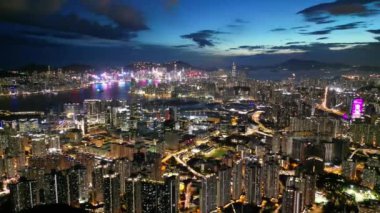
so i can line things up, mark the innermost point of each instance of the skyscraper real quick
(111, 193)
(233, 71)
(208, 193)
(254, 180)
(23, 194)
(237, 179)
(223, 189)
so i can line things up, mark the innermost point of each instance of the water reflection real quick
(43, 102)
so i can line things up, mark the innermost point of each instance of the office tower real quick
(254, 182)
(223, 189)
(271, 180)
(54, 143)
(56, 188)
(23, 194)
(111, 193)
(237, 179)
(233, 70)
(208, 193)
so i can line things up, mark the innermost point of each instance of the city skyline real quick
(207, 33)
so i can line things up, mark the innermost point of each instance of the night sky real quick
(202, 32)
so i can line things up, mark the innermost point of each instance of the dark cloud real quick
(300, 27)
(322, 38)
(29, 7)
(203, 38)
(238, 23)
(318, 32)
(339, 7)
(294, 42)
(46, 14)
(278, 29)
(301, 47)
(320, 19)
(241, 21)
(348, 26)
(374, 31)
(22, 41)
(377, 38)
(328, 30)
(123, 15)
(183, 46)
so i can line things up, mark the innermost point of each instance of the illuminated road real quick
(366, 152)
(323, 105)
(256, 118)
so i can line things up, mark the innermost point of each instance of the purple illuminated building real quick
(357, 108)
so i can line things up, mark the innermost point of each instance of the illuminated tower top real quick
(233, 72)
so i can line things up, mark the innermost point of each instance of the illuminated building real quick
(97, 181)
(39, 146)
(233, 71)
(357, 108)
(223, 189)
(237, 179)
(111, 193)
(292, 200)
(254, 182)
(144, 195)
(78, 191)
(349, 169)
(271, 180)
(208, 193)
(23, 194)
(56, 187)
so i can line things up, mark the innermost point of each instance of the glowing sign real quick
(357, 108)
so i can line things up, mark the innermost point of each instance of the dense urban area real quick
(186, 140)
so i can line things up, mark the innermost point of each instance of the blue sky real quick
(202, 32)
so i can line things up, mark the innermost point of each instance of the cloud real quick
(241, 21)
(300, 27)
(322, 38)
(374, 31)
(377, 38)
(318, 32)
(339, 8)
(278, 30)
(294, 42)
(328, 30)
(123, 15)
(238, 23)
(47, 14)
(299, 48)
(319, 19)
(203, 38)
(170, 4)
(183, 46)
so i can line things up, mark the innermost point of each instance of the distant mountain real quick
(297, 64)
(32, 68)
(78, 67)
